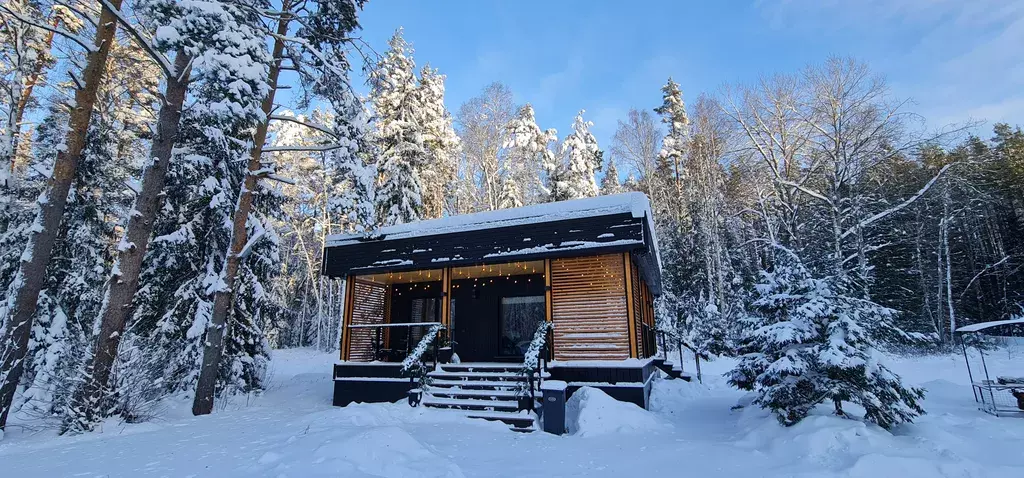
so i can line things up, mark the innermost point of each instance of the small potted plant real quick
(446, 353)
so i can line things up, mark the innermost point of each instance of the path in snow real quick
(292, 430)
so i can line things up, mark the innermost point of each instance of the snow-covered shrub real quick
(809, 342)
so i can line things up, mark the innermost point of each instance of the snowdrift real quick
(591, 412)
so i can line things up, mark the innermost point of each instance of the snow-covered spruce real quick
(809, 342)
(582, 160)
(399, 134)
(529, 153)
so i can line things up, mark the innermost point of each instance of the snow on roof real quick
(986, 325)
(634, 203)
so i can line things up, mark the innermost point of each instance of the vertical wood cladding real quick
(647, 320)
(368, 307)
(589, 308)
(638, 329)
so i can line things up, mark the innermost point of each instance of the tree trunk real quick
(213, 346)
(32, 271)
(124, 280)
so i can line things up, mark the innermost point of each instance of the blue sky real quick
(956, 59)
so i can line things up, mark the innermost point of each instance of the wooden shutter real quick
(368, 307)
(588, 308)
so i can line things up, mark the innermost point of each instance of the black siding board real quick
(472, 247)
(355, 369)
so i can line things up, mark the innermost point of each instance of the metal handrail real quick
(680, 343)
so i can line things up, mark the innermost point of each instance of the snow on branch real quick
(286, 149)
(255, 238)
(340, 73)
(142, 41)
(898, 207)
(306, 123)
(84, 43)
(983, 271)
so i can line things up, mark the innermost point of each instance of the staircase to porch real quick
(488, 391)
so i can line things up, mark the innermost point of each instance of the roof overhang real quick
(608, 224)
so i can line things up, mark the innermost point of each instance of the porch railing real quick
(379, 353)
(534, 364)
(414, 367)
(671, 336)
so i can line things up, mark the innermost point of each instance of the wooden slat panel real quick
(346, 318)
(588, 307)
(368, 307)
(638, 332)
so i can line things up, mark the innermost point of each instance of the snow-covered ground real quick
(292, 430)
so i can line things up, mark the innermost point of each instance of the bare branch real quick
(286, 149)
(308, 124)
(898, 207)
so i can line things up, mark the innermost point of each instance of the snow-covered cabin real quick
(484, 284)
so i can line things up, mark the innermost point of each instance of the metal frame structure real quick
(996, 403)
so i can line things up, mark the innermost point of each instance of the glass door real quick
(520, 317)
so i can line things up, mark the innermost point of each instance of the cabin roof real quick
(599, 225)
(634, 203)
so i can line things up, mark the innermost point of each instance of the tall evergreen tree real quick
(28, 282)
(583, 160)
(673, 150)
(399, 134)
(437, 174)
(610, 182)
(529, 154)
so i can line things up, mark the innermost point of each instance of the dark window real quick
(520, 317)
(424, 310)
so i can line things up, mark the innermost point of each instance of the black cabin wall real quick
(402, 296)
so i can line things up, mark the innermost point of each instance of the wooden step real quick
(480, 394)
(518, 420)
(471, 405)
(476, 384)
(482, 367)
(467, 376)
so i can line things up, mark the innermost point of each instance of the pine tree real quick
(583, 160)
(610, 183)
(809, 342)
(183, 264)
(50, 206)
(529, 153)
(354, 175)
(437, 174)
(400, 136)
(73, 294)
(673, 150)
